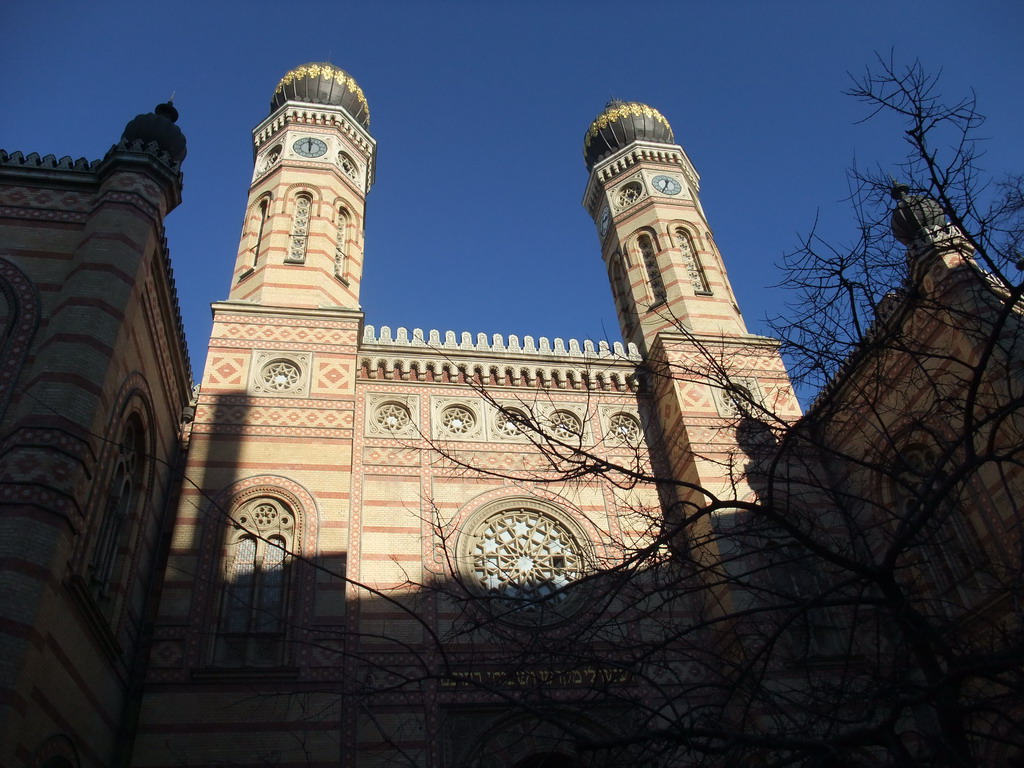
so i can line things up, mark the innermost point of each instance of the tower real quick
(270, 460)
(643, 194)
(95, 380)
(301, 243)
(673, 298)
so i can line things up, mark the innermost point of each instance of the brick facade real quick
(293, 576)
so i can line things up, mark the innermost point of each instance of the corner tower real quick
(302, 239)
(673, 298)
(665, 271)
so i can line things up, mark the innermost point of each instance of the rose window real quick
(629, 194)
(525, 557)
(264, 514)
(280, 375)
(566, 426)
(457, 420)
(392, 417)
(624, 428)
(509, 422)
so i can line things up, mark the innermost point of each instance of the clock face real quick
(309, 147)
(606, 217)
(666, 185)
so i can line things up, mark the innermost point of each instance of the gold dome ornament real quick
(323, 83)
(620, 124)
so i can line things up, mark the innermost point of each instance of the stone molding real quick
(627, 159)
(319, 115)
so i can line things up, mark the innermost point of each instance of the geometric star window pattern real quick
(566, 426)
(457, 420)
(508, 422)
(629, 194)
(623, 428)
(392, 417)
(525, 556)
(280, 375)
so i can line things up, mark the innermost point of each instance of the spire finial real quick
(898, 190)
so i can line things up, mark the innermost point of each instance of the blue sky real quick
(479, 110)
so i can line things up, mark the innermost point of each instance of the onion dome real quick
(622, 123)
(914, 214)
(159, 126)
(323, 83)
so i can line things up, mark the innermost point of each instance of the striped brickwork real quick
(389, 505)
(286, 256)
(93, 339)
(319, 548)
(386, 507)
(689, 270)
(959, 336)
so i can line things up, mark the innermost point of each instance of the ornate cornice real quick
(499, 361)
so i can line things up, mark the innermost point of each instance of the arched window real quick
(646, 246)
(946, 547)
(694, 268)
(262, 214)
(123, 494)
(620, 291)
(300, 228)
(254, 606)
(341, 247)
(348, 166)
(271, 159)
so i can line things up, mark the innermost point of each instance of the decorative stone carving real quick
(456, 419)
(392, 415)
(283, 374)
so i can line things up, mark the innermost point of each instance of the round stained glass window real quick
(392, 417)
(629, 194)
(566, 425)
(280, 375)
(457, 420)
(623, 428)
(508, 422)
(524, 557)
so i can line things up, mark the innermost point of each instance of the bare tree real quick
(847, 595)
(862, 605)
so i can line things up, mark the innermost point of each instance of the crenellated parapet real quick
(33, 160)
(143, 147)
(616, 351)
(433, 357)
